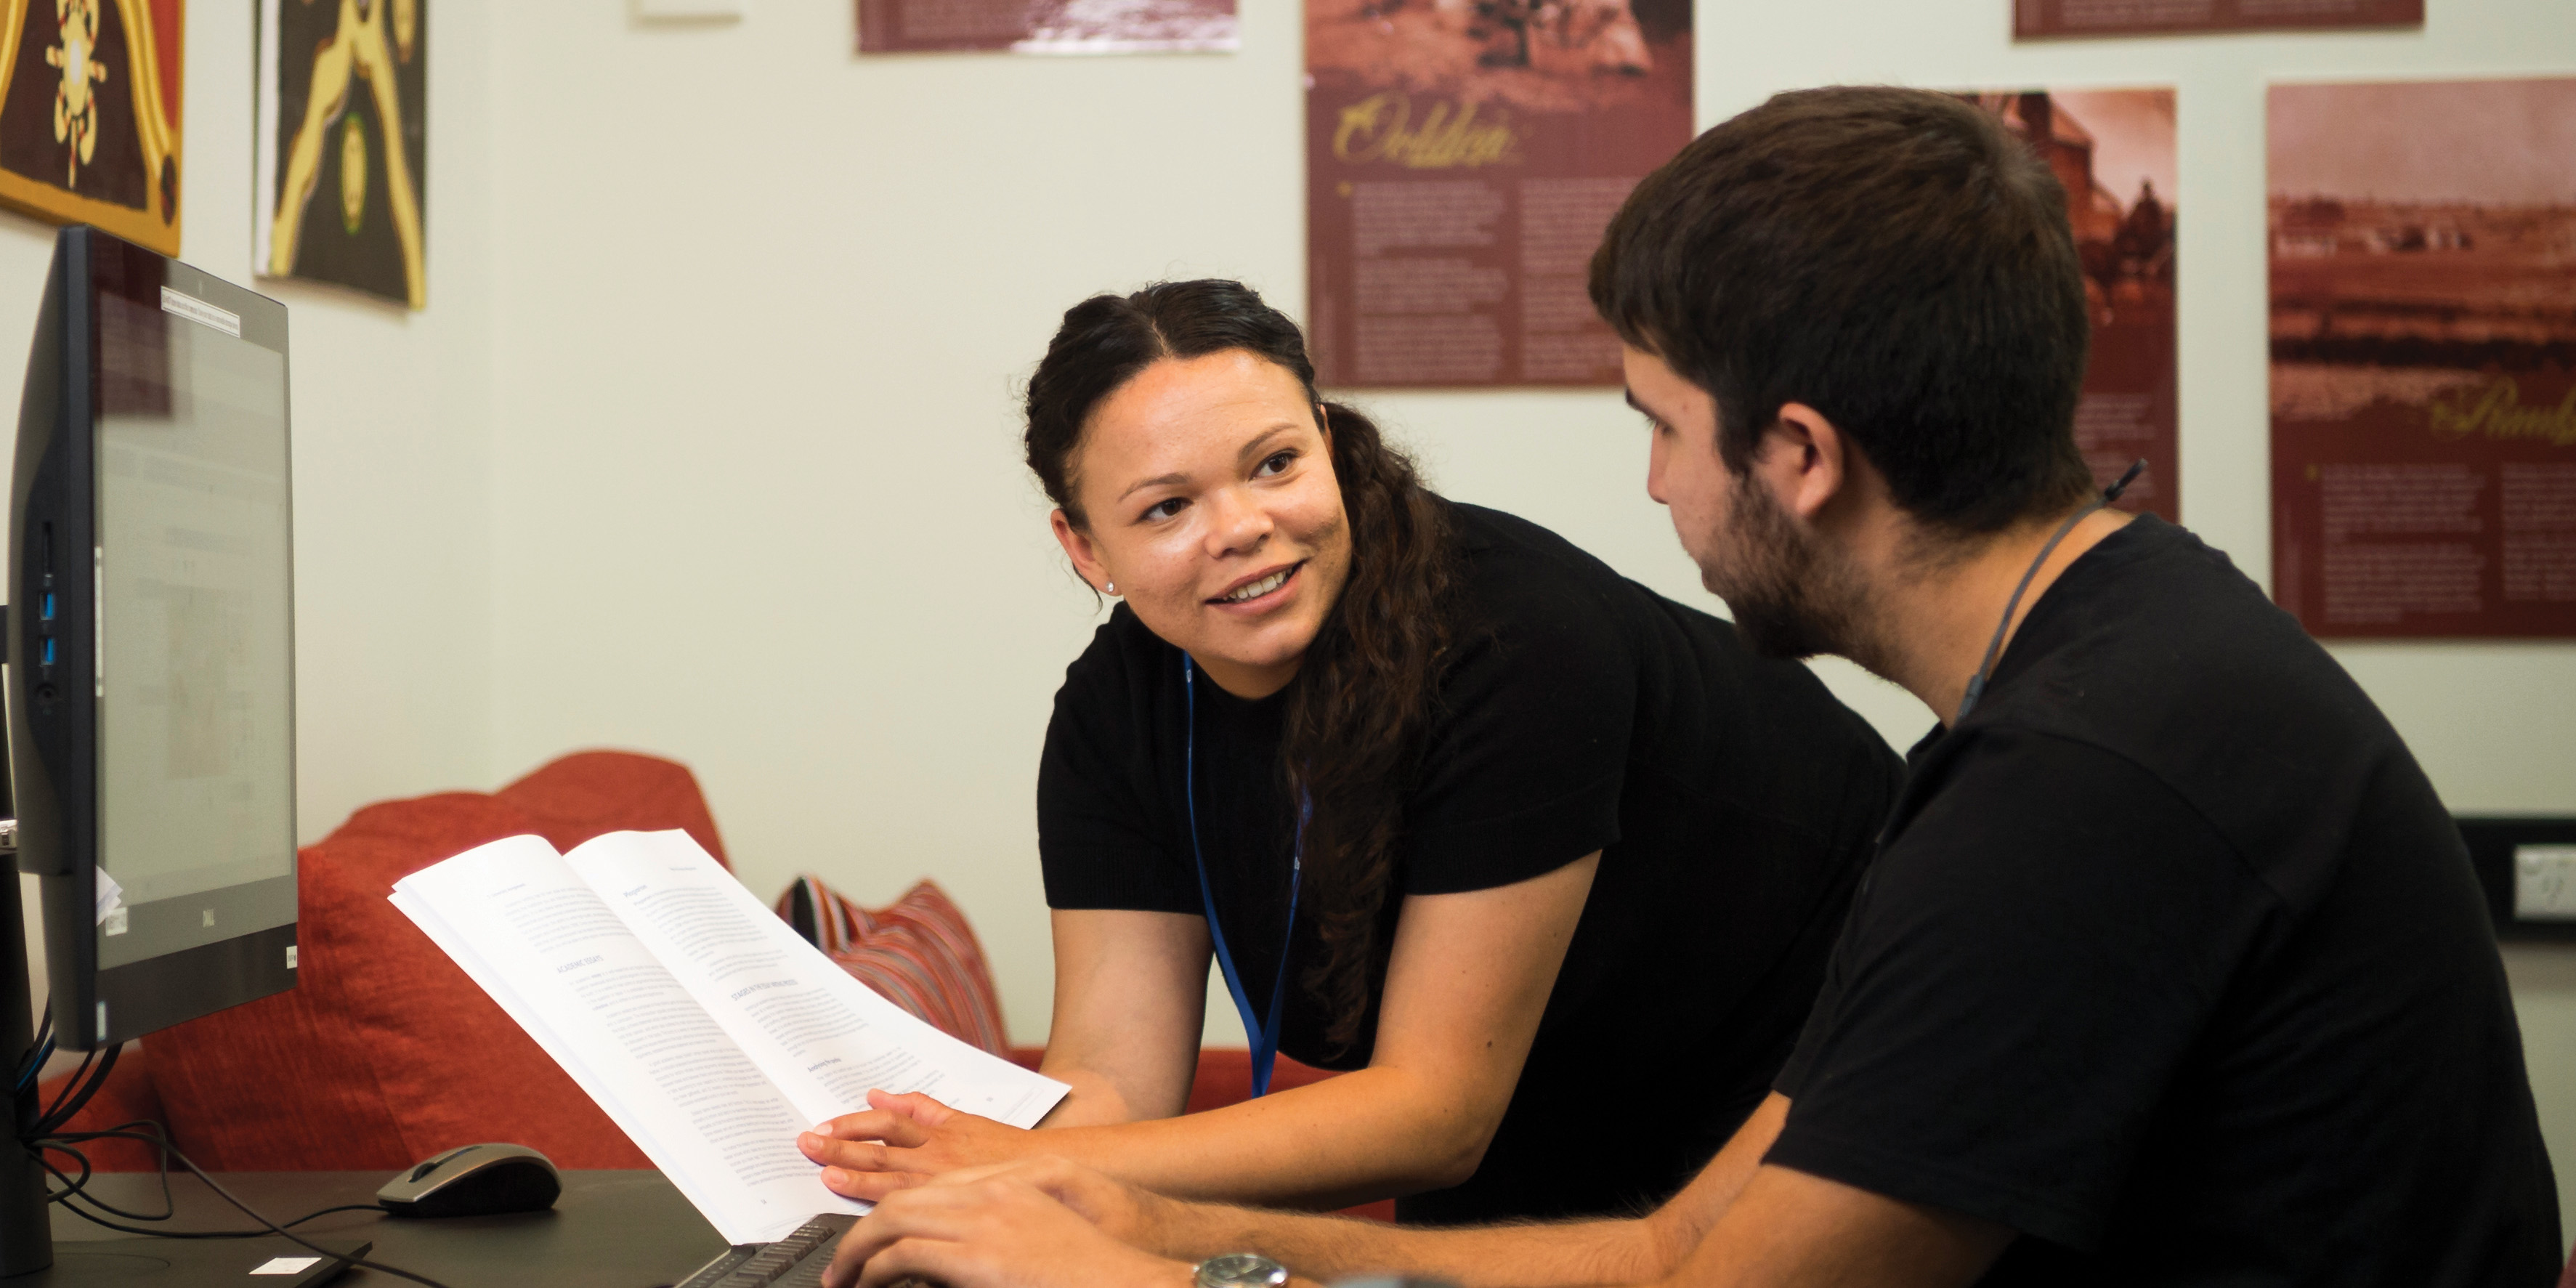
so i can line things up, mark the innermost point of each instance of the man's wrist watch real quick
(1240, 1270)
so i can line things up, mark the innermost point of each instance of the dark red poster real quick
(2423, 336)
(2113, 150)
(1462, 158)
(2034, 19)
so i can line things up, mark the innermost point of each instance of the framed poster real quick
(90, 114)
(2113, 150)
(342, 143)
(1462, 158)
(2423, 345)
(1048, 26)
(2033, 19)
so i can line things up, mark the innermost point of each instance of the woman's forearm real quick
(1354, 1138)
(1094, 1101)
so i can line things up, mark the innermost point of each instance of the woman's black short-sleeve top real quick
(1733, 801)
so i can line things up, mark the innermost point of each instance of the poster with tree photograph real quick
(2113, 151)
(2423, 345)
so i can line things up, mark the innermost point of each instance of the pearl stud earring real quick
(1110, 586)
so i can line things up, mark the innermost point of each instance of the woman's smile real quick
(1259, 592)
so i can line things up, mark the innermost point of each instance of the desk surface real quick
(609, 1230)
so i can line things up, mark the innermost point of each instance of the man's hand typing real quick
(1001, 1229)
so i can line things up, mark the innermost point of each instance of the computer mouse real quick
(475, 1180)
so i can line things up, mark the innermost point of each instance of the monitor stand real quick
(26, 1231)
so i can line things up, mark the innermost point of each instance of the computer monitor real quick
(151, 671)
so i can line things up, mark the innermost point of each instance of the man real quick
(2171, 967)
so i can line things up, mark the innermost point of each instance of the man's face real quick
(1773, 574)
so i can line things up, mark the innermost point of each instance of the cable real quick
(38, 1051)
(103, 1206)
(36, 1062)
(70, 1085)
(79, 1092)
(71, 1187)
(74, 1189)
(143, 1129)
(160, 1139)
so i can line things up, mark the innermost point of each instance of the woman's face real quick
(1208, 488)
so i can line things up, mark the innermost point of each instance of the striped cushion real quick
(917, 953)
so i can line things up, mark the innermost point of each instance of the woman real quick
(1549, 863)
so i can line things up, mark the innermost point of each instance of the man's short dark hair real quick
(1894, 258)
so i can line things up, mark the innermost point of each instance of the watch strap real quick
(1240, 1270)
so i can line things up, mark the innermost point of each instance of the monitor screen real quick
(151, 690)
(195, 677)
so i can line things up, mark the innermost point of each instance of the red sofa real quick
(385, 1053)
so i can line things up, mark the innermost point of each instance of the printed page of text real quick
(823, 1037)
(524, 925)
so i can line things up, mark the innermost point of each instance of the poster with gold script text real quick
(90, 114)
(2113, 151)
(2423, 346)
(1462, 159)
(2039, 19)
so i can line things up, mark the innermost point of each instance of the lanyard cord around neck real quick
(1262, 1031)
(1977, 682)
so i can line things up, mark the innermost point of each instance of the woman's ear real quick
(1079, 548)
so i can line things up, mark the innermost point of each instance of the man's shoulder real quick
(2161, 650)
(2151, 604)
(2013, 794)
(2162, 655)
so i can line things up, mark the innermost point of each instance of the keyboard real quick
(797, 1261)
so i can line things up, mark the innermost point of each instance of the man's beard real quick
(1790, 597)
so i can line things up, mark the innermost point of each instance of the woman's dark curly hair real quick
(1365, 690)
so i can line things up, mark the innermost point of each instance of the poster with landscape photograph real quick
(1462, 158)
(1048, 26)
(2423, 346)
(2039, 19)
(2113, 150)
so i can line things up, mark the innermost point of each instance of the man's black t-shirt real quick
(2172, 961)
(1732, 798)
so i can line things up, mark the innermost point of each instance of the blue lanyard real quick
(1263, 1032)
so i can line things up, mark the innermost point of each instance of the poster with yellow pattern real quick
(343, 145)
(89, 114)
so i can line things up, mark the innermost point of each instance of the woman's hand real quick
(899, 1142)
(995, 1231)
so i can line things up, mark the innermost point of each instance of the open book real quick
(707, 1028)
